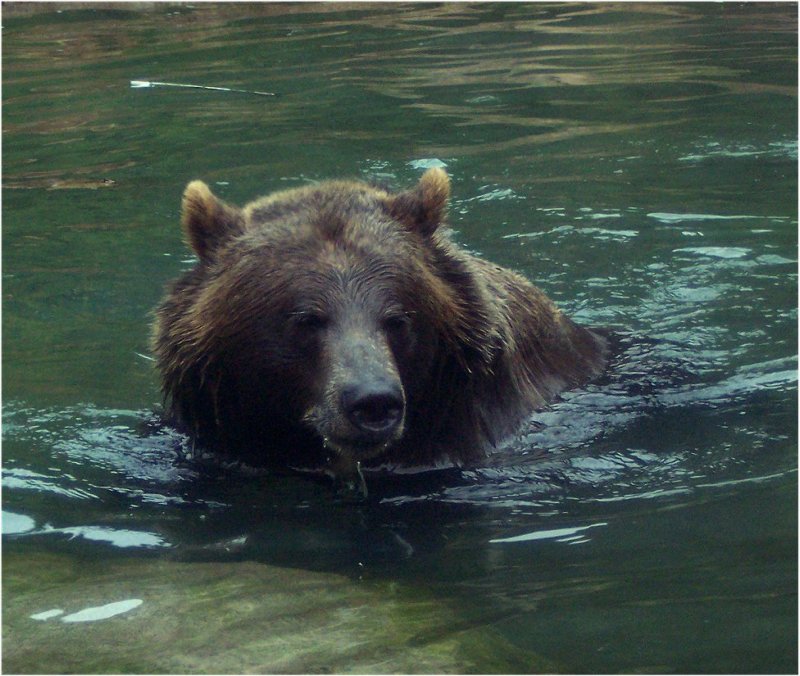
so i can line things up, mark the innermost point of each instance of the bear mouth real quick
(358, 448)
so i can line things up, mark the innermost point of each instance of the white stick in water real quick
(137, 84)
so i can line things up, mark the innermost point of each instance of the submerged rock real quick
(243, 617)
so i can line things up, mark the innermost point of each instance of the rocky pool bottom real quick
(243, 617)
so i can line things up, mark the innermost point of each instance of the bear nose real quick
(374, 409)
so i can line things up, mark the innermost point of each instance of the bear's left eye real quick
(396, 321)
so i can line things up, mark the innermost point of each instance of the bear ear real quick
(423, 208)
(207, 221)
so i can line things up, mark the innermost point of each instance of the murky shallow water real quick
(639, 165)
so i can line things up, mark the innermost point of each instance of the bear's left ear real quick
(207, 221)
(423, 208)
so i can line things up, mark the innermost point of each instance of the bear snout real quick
(362, 418)
(374, 409)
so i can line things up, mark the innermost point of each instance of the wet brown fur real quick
(476, 346)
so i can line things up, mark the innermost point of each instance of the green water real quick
(638, 162)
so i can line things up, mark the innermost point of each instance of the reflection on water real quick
(641, 166)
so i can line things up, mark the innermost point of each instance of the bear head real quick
(321, 322)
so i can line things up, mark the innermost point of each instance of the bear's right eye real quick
(310, 321)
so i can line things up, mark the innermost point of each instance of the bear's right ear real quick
(207, 221)
(423, 207)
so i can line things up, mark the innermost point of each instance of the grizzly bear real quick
(337, 325)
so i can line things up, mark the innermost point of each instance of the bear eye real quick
(396, 322)
(310, 321)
